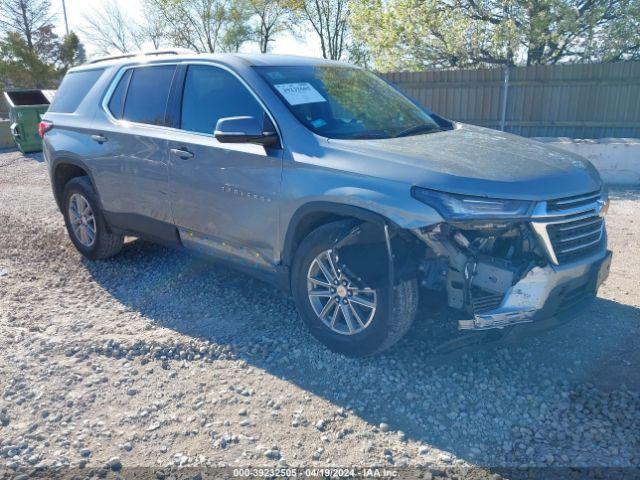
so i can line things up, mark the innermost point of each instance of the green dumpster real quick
(26, 108)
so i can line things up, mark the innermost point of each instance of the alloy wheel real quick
(341, 304)
(83, 220)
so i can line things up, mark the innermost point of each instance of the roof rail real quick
(174, 51)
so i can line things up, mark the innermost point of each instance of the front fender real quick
(395, 205)
(315, 191)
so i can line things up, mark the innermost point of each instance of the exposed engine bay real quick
(479, 262)
(476, 264)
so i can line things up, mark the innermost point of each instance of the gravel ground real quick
(158, 358)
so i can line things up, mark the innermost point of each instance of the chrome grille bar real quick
(573, 227)
(573, 202)
(577, 199)
(582, 235)
(581, 247)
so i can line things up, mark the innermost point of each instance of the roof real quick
(260, 59)
(267, 60)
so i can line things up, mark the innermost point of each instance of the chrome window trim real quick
(116, 79)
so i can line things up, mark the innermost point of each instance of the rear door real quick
(224, 196)
(131, 169)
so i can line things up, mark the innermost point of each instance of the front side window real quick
(73, 89)
(148, 94)
(212, 93)
(347, 102)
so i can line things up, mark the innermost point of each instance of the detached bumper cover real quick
(545, 292)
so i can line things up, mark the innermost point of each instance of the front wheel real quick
(342, 312)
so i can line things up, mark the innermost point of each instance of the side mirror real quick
(243, 130)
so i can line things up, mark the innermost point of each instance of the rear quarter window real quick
(73, 89)
(116, 103)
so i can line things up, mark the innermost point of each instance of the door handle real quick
(99, 138)
(179, 152)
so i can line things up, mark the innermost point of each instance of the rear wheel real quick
(85, 223)
(342, 312)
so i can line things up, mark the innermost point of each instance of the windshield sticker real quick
(318, 123)
(299, 93)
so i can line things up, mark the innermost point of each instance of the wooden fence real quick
(577, 101)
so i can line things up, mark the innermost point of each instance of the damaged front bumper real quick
(501, 273)
(544, 292)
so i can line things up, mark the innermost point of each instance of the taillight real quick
(43, 127)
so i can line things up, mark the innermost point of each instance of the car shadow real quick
(488, 403)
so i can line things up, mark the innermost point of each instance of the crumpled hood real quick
(470, 160)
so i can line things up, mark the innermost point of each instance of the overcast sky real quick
(77, 9)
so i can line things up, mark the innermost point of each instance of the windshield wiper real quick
(366, 135)
(422, 128)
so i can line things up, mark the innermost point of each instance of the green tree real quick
(619, 39)
(359, 53)
(31, 54)
(410, 34)
(71, 52)
(413, 34)
(21, 66)
(238, 30)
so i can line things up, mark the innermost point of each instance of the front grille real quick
(568, 203)
(570, 228)
(575, 239)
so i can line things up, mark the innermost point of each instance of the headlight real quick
(464, 207)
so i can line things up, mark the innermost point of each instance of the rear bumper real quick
(545, 292)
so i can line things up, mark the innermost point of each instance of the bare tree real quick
(196, 24)
(273, 17)
(329, 19)
(154, 28)
(110, 29)
(27, 17)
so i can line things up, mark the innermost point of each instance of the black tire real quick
(384, 329)
(106, 244)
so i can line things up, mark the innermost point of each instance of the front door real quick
(224, 196)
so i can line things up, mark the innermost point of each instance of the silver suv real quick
(327, 181)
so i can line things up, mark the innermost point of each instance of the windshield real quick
(346, 102)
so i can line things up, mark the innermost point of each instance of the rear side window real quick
(147, 95)
(116, 103)
(210, 94)
(73, 89)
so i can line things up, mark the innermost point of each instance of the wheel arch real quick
(65, 169)
(315, 214)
